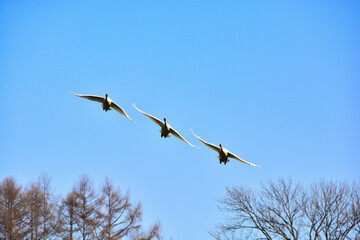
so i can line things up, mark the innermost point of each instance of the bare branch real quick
(283, 210)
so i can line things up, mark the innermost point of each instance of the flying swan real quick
(224, 154)
(166, 129)
(106, 103)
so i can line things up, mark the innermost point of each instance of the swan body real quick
(224, 154)
(165, 129)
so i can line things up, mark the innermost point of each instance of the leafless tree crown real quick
(284, 210)
(37, 213)
(120, 216)
(12, 214)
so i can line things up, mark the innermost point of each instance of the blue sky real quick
(276, 82)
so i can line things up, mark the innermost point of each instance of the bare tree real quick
(119, 216)
(280, 208)
(32, 201)
(12, 215)
(48, 207)
(67, 217)
(332, 211)
(152, 233)
(87, 208)
(35, 213)
(283, 210)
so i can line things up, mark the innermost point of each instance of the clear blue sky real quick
(278, 83)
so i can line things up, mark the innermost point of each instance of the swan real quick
(106, 103)
(166, 129)
(224, 154)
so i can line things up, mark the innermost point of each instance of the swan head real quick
(106, 95)
(164, 119)
(220, 145)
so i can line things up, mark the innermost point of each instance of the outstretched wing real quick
(120, 110)
(176, 134)
(231, 155)
(90, 97)
(154, 119)
(212, 146)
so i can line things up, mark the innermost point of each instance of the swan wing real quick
(120, 110)
(154, 119)
(231, 155)
(176, 134)
(210, 145)
(90, 97)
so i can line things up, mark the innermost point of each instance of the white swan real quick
(166, 129)
(106, 103)
(224, 154)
